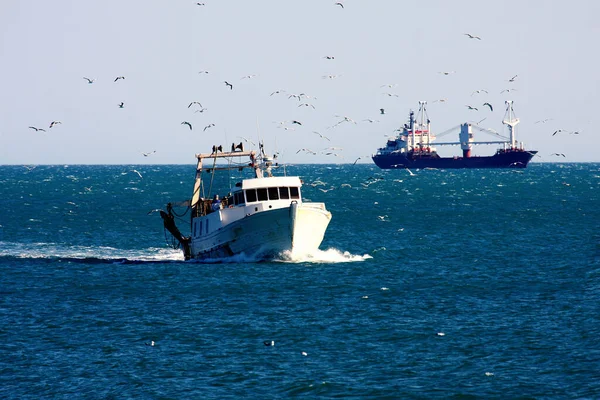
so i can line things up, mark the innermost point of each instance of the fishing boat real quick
(261, 217)
(413, 146)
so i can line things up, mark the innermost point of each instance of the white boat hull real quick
(262, 234)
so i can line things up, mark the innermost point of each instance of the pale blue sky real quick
(47, 47)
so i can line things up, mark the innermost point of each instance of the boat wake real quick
(111, 255)
(88, 254)
(318, 257)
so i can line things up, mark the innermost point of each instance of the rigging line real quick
(212, 177)
(447, 131)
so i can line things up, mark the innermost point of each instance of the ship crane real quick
(511, 121)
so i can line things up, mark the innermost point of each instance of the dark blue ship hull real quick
(502, 159)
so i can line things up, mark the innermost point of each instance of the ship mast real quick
(511, 121)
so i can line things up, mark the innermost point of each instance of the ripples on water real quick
(504, 263)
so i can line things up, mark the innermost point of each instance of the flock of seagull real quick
(305, 101)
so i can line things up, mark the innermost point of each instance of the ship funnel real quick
(466, 139)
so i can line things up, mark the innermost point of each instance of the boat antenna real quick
(257, 129)
(228, 162)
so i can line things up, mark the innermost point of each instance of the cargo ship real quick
(413, 146)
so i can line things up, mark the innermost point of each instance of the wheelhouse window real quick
(250, 195)
(294, 193)
(262, 194)
(238, 198)
(284, 193)
(273, 193)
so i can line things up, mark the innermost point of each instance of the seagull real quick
(277, 91)
(489, 105)
(557, 154)
(269, 343)
(306, 105)
(296, 122)
(555, 132)
(346, 119)
(339, 4)
(479, 91)
(472, 36)
(391, 94)
(37, 129)
(330, 76)
(140, 175)
(228, 84)
(150, 344)
(513, 78)
(508, 90)
(200, 4)
(322, 136)
(247, 140)
(382, 111)
(147, 154)
(326, 190)
(121, 105)
(440, 100)
(249, 76)
(54, 123)
(472, 108)
(203, 72)
(200, 110)
(389, 85)
(329, 57)
(370, 120)
(119, 77)
(306, 151)
(187, 123)
(446, 72)
(543, 121)
(195, 102)
(89, 80)
(208, 126)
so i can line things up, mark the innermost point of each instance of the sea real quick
(460, 284)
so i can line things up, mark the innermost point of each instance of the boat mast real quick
(217, 153)
(511, 121)
(412, 129)
(424, 128)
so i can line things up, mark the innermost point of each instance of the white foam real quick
(324, 256)
(53, 250)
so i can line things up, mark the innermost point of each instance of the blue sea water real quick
(442, 284)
